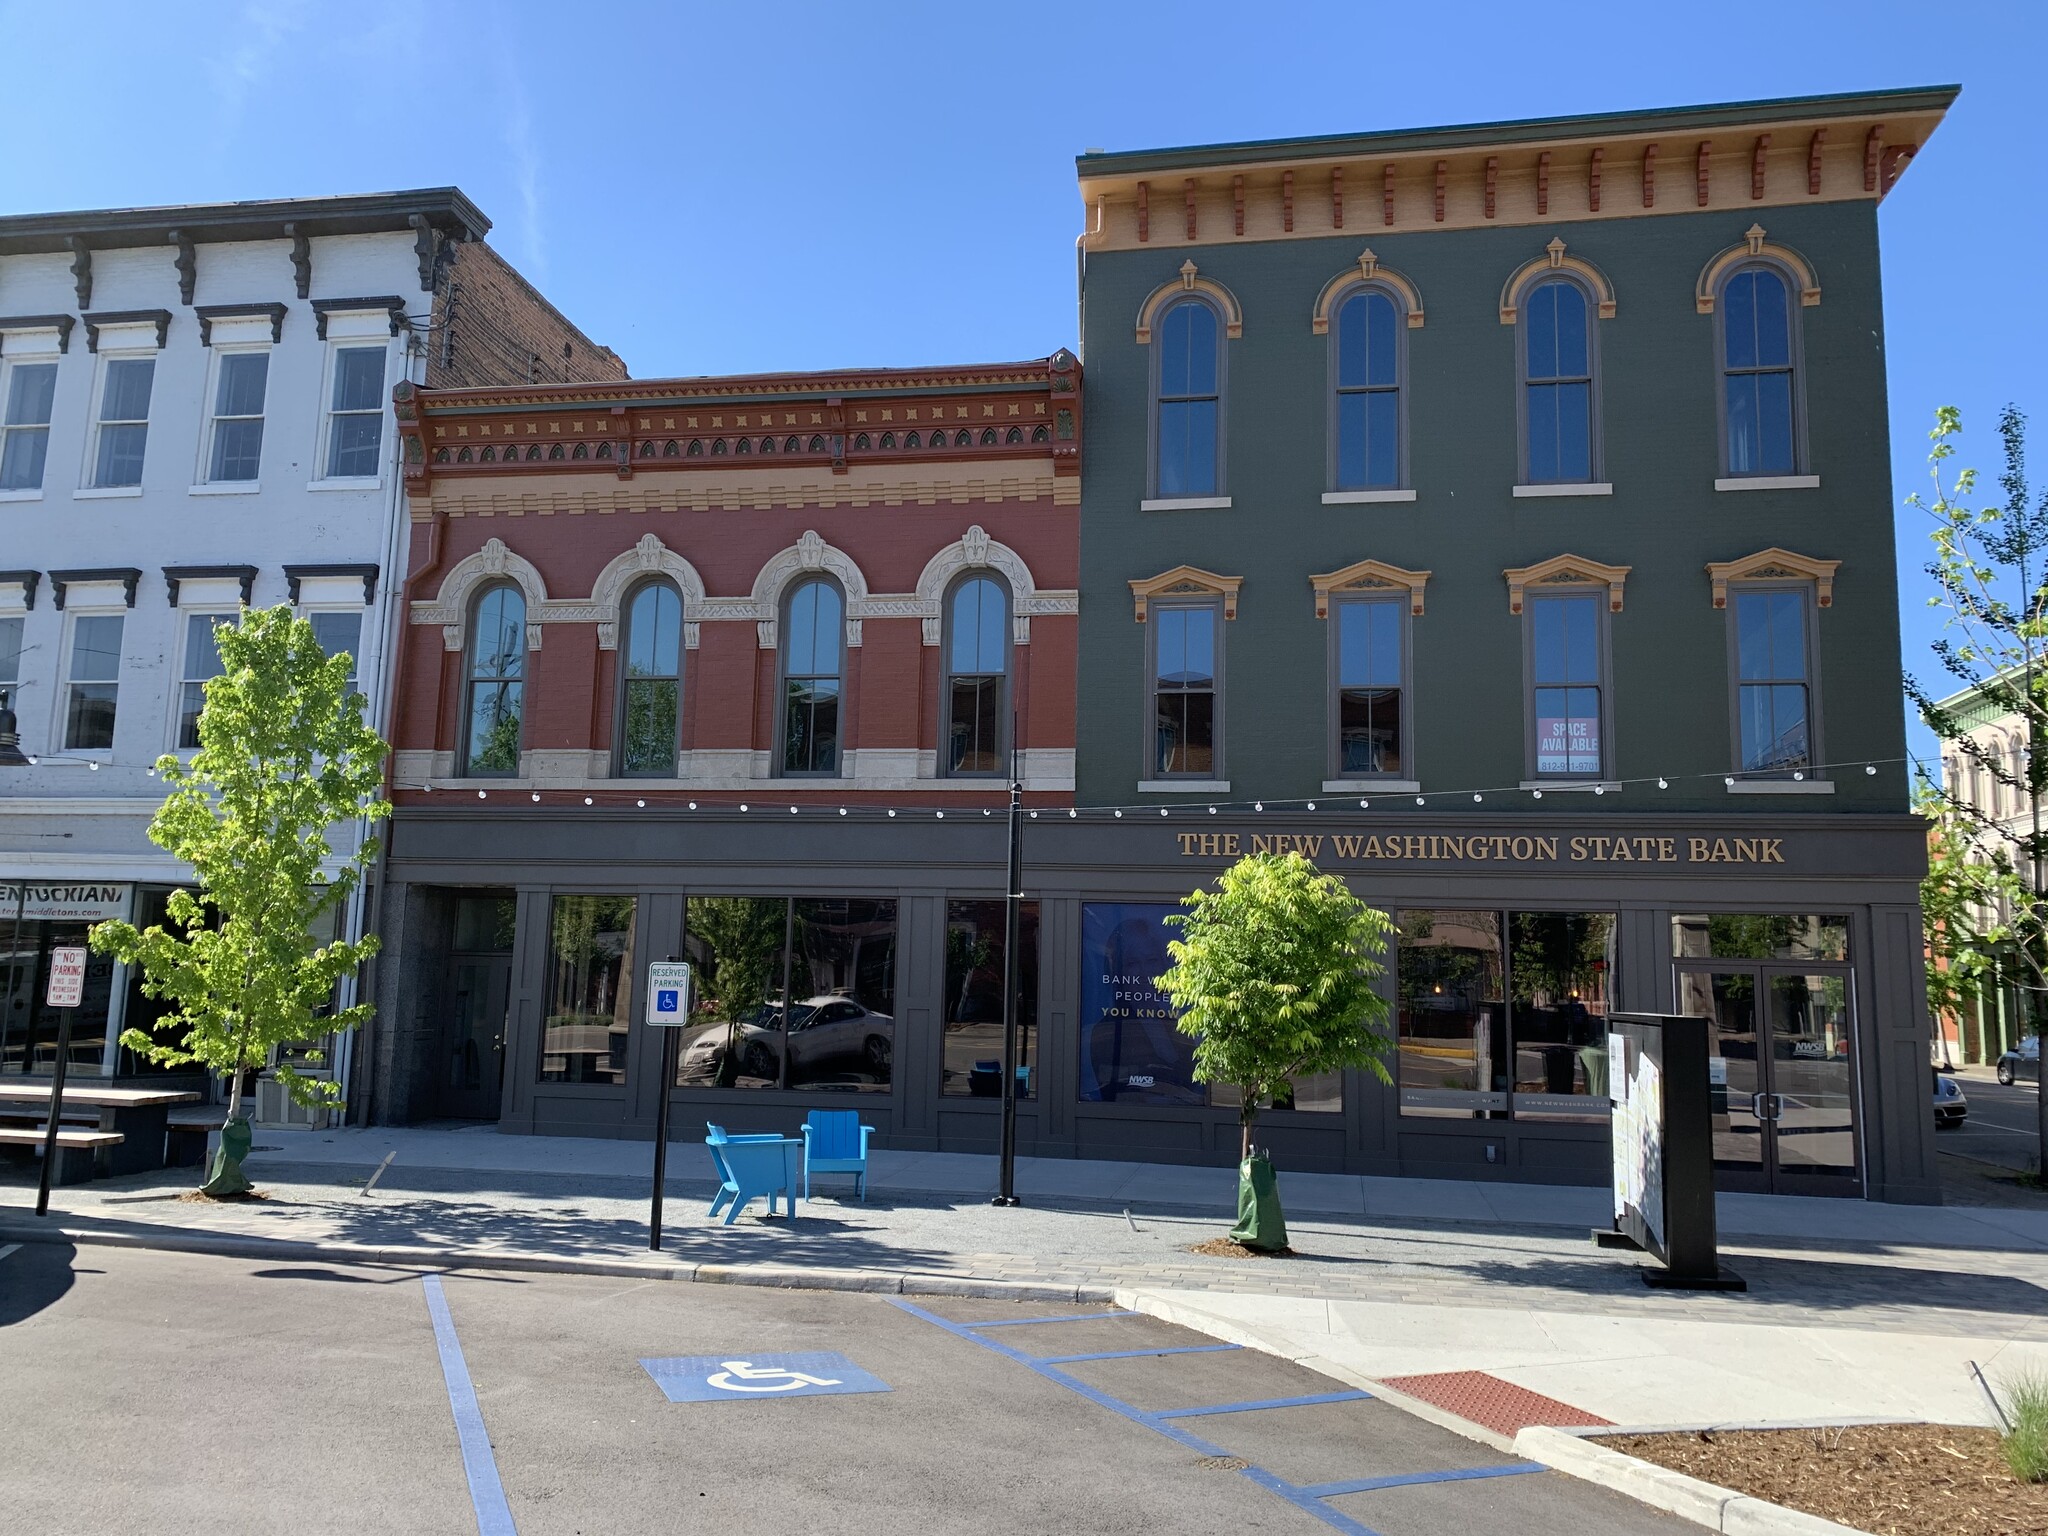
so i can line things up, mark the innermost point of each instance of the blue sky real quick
(744, 188)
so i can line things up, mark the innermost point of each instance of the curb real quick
(778, 1276)
(1690, 1498)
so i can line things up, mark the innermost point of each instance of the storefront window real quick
(973, 1066)
(589, 998)
(1503, 1012)
(32, 923)
(791, 993)
(1758, 936)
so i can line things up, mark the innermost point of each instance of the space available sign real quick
(63, 903)
(1567, 744)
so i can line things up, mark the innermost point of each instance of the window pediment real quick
(1755, 247)
(1553, 261)
(1187, 581)
(1191, 281)
(1775, 565)
(1369, 576)
(1566, 571)
(1368, 271)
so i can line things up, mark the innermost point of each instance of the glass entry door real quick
(1782, 1068)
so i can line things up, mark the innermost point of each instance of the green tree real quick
(1990, 570)
(1965, 900)
(1273, 976)
(284, 756)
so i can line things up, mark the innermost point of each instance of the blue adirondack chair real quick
(749, 1166)
(836, 1142)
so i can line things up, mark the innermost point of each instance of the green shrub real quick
(2026, 1444)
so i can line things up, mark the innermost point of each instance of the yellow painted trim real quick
(1554, 259)
(1368, 575)
(1190, 281)
(1367, 272)
(1563, 571)
(1754, 248)
(1775, 564)
(1187, 578)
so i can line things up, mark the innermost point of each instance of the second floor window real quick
(355, 421)
(1184, 693)
(977, 672)
(238, 416)
(10, 661)
(1567, 685)
(1189, 402)
(813, 631)
(202, 661)
(1370, 696)
(340, 634)
(123, 431)
(93, 688)
(651, 688)
(25, 425)
(496, 703)
(1757, 380)
(1772, 702)
(1557, 385)
(1368, 392)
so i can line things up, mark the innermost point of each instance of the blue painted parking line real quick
(730, 1379)
(1311, 1401)
(1133, 1354)
(486, 1493)
(1410, 1479)
(1071, 1317)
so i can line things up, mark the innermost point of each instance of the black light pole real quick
(1013, 905)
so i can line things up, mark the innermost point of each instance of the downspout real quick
(1080, 285)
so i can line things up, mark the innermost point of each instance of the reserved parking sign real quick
(668, 992)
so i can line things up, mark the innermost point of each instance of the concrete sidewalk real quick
(1854, 1310)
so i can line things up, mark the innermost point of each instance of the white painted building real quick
(195, 414)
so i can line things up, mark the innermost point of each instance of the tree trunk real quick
(1247, 1113)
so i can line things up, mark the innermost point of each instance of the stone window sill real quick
(1587, 488)
(361, 483)
(226, 488)
(1768, 483)
(1575, 786)
(35, 495)
(1184, 504)
(1372, 786)
(105, 492)
(1184, 787)
(1364, 498)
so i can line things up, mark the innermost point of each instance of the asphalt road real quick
(2001, 1128)
(168, 1393)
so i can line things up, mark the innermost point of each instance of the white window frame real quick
(202, 479)
(8, 364)
(364, 662)
(346, 332)
(89, 478)
(60, 735)
(183, 615)
(10, 687)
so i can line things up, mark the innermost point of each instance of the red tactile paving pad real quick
(1498, 1405)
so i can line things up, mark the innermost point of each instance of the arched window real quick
(496, 685)
(1368, 370)
(813, 631)
(650, 682)
(977, 676)
(1759, 382)
(1188, 403)
(1558, 409)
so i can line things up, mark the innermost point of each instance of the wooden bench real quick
(138, 1118)
(78, 1152)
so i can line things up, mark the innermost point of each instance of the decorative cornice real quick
(28, 581)
(1754, 247)
(294, 574)
(1566, 570)
(127, 575)
(187, 263)
(176, 574)
(391, 302)
(84, 231)
(61, 324)
(302, 258)
(1775, 564)
(1367, 272)
(95, 322)
(1554, 260)
(1186, 579)
(1369, 576)
(766, 388)
(1188, 282)
(208, 313)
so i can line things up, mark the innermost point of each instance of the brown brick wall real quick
(491, 326)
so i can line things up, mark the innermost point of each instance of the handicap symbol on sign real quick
(665, 1001)
(719, 1378)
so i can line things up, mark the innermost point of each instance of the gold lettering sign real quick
(1486, 847)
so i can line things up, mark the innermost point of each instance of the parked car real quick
(823, 1031)
(2022, 1063)
(1951, 1109)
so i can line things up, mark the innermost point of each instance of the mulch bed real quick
(1227, 1248)
(200, 1197)
(1888, 1479)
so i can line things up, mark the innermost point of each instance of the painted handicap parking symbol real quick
(729, 1378)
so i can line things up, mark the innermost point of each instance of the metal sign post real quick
(67, 991)
(668, 1009)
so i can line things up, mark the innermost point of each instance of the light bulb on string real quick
(743, 805)
(1311, 805)
(792, 810)
(1119, 815)
(1034, 815)
(536, 797)
(1537, 793)
(1365, 805)
(892, 814)
(1663, 783)
(987, 812)
(1212, 810)
(588, 801)
(94, 765)
(1798, 777)
(842, 810)
(1072, 814)
(940, 814)
(1162, 810)
(1599, 789)
(1870, 768)
(1418, 800)
(1730, 782)
(481, 795)
(641, 803)
(1478, 797)
(693, 805)
(1258, 805)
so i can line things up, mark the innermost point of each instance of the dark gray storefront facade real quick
(491, 1005)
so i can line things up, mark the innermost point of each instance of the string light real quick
(536, 797)
(1537, 793)
(643, 806)
(1162, 809)
(892, 812)
(1212, 810)
(941, 815)
(1663, 783)
(743, 805)
(792, 810)
(1258, 805)
(693, 805)
(1311, 805)
(842, 809)
(480, 795)
(588, 801)
(1418, 800)
(1599, 789)
(1870, 768)
(1365, 805)
(1119, 815)
(1479, 797)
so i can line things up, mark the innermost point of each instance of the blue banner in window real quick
(1131, 1053)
